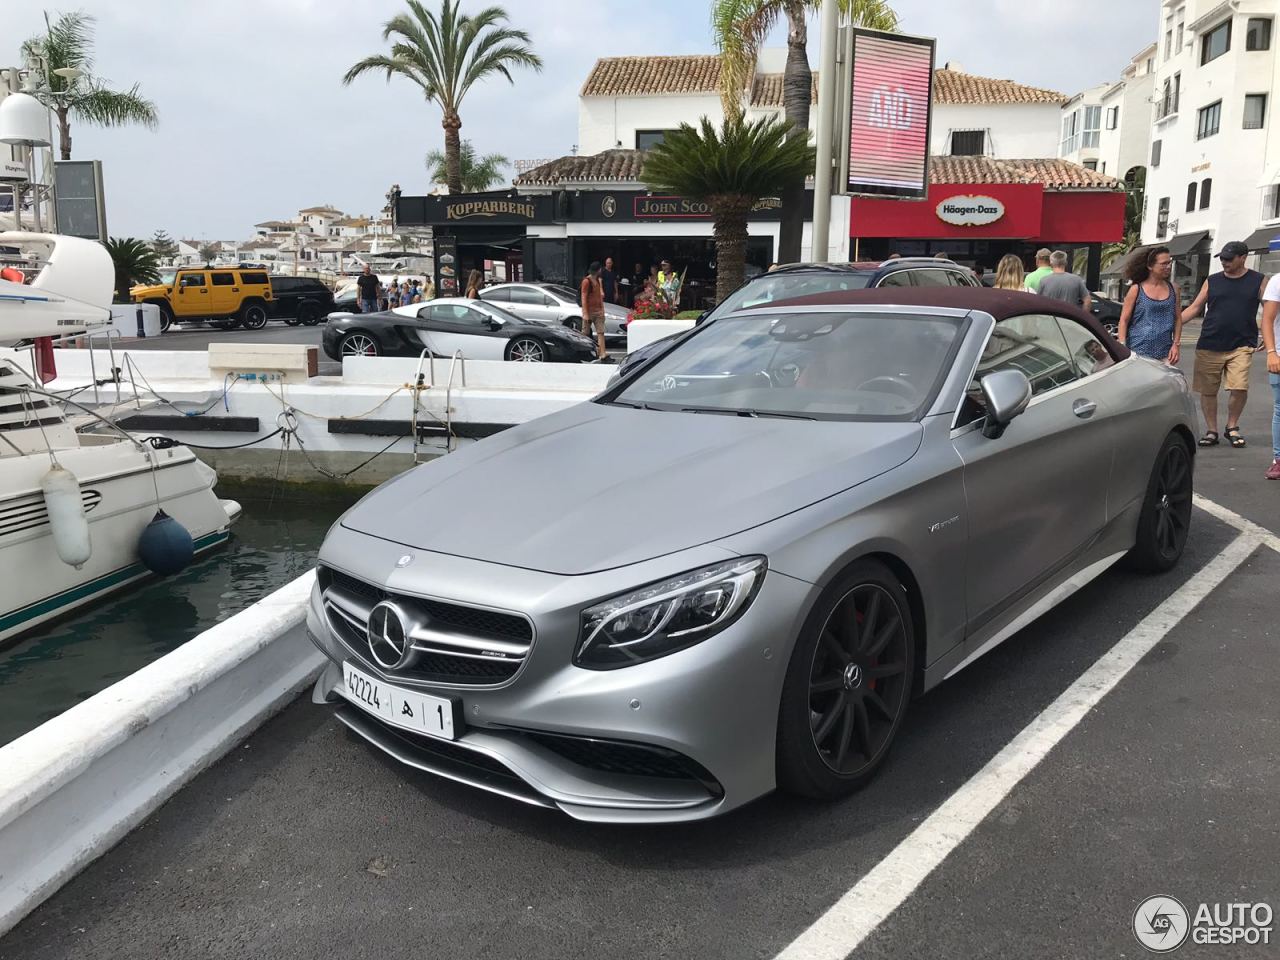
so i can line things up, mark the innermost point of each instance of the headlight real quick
(665, 617)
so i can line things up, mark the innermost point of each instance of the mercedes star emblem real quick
(405, 560)
(388, 635)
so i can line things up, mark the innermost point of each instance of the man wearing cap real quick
(1228, 340)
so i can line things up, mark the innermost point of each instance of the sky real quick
(256, 124)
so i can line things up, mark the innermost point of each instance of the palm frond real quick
(871, 14)
(94, 103)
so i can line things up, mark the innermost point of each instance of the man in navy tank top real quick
(1228, 340)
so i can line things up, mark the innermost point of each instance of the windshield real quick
(819, 366)
(772, 287)
(167, 277)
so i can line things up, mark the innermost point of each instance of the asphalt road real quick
(304, 842)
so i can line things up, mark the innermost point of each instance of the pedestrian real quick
(391, 296)
(591, 298)
(475, 283)
(406, 293)
(638, 279)
(1041, 271)
(609, 281)
(1271, 341)
(367, 290)
(980, 272)
(1151, 317)
(1009, 273)
(1228, 340)
(1062, 284)
(942, 255)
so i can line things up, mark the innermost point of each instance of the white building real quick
(1214, 163)
(1107, 127)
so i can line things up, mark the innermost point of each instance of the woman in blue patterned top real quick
(1151, 319)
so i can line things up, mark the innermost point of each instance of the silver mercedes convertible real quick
(829, 506)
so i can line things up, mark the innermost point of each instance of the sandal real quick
(1210, 439)
(1232, 435)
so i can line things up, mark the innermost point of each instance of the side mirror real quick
(1006, 394)
(494, 323)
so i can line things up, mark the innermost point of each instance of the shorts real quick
(1212, 364)
(594, 322)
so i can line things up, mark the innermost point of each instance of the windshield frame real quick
(963, 325)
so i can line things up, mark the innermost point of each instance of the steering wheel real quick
(895, 385)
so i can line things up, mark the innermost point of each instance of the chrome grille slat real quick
(458, 645)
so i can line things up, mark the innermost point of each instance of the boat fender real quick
(66, 516)
(165, 546)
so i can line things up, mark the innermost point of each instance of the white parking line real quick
(840, 930)
(1233, 519)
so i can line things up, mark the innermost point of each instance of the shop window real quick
(1162, 219)
(1208, 120)
(1191, 196)
(968, 143)
(1216, 42)
(1255, 111)
(1206, 192)
(1258, 34)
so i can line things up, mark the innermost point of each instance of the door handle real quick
(235, 289)
(1084, 409)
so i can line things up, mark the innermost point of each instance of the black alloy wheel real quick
(253, 316)
(848, 684)
(308, 313)
(1165, 520)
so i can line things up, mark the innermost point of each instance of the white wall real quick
(1135, 126)
(1016, 131)
(604, 121)
(1234, 158)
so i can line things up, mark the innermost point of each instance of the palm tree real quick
(478, 173)
(740, 27)
(68, 43)
(446, 56)
(135, 262)
(730, 169)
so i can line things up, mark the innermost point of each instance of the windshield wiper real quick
(633, 406)
(746, 413)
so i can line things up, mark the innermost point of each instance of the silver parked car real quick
(835, 504)
(553, 303)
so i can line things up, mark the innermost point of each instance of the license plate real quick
(419, 712)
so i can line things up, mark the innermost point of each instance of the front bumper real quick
(684, 737)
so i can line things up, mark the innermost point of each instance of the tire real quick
(847, 685)
(292, 321)
(253, 315)
(308, 313)
(224, 324)
(166, 315)
(526, 350)
(1165, 519)
(358, 344)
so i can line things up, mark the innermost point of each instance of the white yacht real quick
(81, 514)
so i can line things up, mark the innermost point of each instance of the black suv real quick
(803, 279)
(298, 300)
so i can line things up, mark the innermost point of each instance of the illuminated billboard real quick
(889, 114)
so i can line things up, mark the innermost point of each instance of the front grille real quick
(629, 759)
(455, 644)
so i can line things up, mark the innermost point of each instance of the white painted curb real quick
(74, 786)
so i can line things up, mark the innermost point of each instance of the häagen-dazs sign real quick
(970, 211)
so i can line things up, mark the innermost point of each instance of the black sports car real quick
(482, 331)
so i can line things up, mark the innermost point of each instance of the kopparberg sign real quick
(970, 211)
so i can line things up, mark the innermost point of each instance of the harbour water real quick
(69, 661)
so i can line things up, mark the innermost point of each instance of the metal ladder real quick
(457, 362)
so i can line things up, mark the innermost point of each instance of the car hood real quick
(596, 487)
(149, 290)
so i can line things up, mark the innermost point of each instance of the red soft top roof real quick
(1001, 304)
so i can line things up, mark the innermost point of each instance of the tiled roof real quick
(766, 90)
(606, 167)
(324, 209)
(636, 76)
(1053, 173)
(952, 86)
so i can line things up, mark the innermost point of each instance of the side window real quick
(249, 278)
(1087, 352)
(527, 295)
(192, 280)
(549, 301)
(1034, 344)
(930, 278)
(958, 279)
(899, 278)
(456, 313)
(224, 279)
(497, 295)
